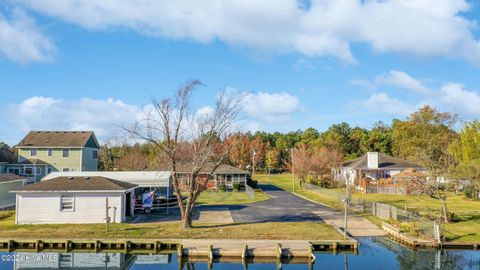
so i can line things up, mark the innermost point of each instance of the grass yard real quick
(467, 228)
(171, 230)
(228, 198)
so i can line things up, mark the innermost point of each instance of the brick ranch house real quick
(223, 175)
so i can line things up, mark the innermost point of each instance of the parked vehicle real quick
(159, 201)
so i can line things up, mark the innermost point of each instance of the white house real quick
(372, 165)
(74, 200)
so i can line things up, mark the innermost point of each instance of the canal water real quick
(374, 253)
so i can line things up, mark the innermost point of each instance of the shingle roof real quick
(32, 161)
(95, 183)
(187, 167)
(384, 162)
(7, 156)
(57, 138)
(6, 177)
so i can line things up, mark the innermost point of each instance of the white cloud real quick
(326, 28)
(382, 103)
(22, 41)
(454, 96)
(401, 79)
(45, 113)
(450, 96)
(397, 79)
(270, 107)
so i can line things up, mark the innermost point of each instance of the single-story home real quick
(372, 166)
(74, 200)
(224, 174)
(9, 181)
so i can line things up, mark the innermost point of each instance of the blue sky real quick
(93, 64)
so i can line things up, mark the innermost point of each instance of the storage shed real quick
(74, 200)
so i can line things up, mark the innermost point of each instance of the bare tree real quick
(171, 124)
(133, 160)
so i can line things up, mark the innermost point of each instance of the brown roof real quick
(7, 156)
(187, 167)
(32, 161)
(58, 139)
(94, 183)
(6, 177)
(384, 162)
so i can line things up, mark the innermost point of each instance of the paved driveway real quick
(283, 206)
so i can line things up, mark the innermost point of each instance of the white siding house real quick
(74, 200)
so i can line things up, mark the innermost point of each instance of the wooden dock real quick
(422, 243)
(191, 248)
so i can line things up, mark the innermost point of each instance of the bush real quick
(409, 227)
(252, 183)
(222, 187)
(236, 186)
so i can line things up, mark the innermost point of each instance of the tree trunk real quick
(446, 219)
(187, 219)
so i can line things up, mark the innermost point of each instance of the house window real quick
(28, 171)
(49, 170)
(14, 170)
(33, 152)
(65, 169)
(50, 152)
(38, 171)
(95, 154)
(67, 203)
(65, 153)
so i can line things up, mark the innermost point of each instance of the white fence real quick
(250, 191)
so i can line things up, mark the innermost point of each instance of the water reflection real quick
(374, 253)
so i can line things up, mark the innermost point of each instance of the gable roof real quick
(7, 157)
(384, 162)
(187, 167)
(7, 177)
(31, 161)
(60, 139)
(95, 183)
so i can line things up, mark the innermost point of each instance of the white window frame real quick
(50, 152)
(31, 152)
(13, 169)
(38, 171)
(63, 153)
(27, 168)
(65, 200)
(95, 154)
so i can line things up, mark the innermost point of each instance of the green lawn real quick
(467, 210)
(228, 198)
(172, 230)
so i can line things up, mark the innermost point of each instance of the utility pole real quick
(107, 218)
(253, 162)
(293, 170)
(347, 201)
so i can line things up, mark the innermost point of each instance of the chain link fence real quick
(7, 204)
(412, 223)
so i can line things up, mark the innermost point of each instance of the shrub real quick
(252, 183)
(236, 186)
(222, 187)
